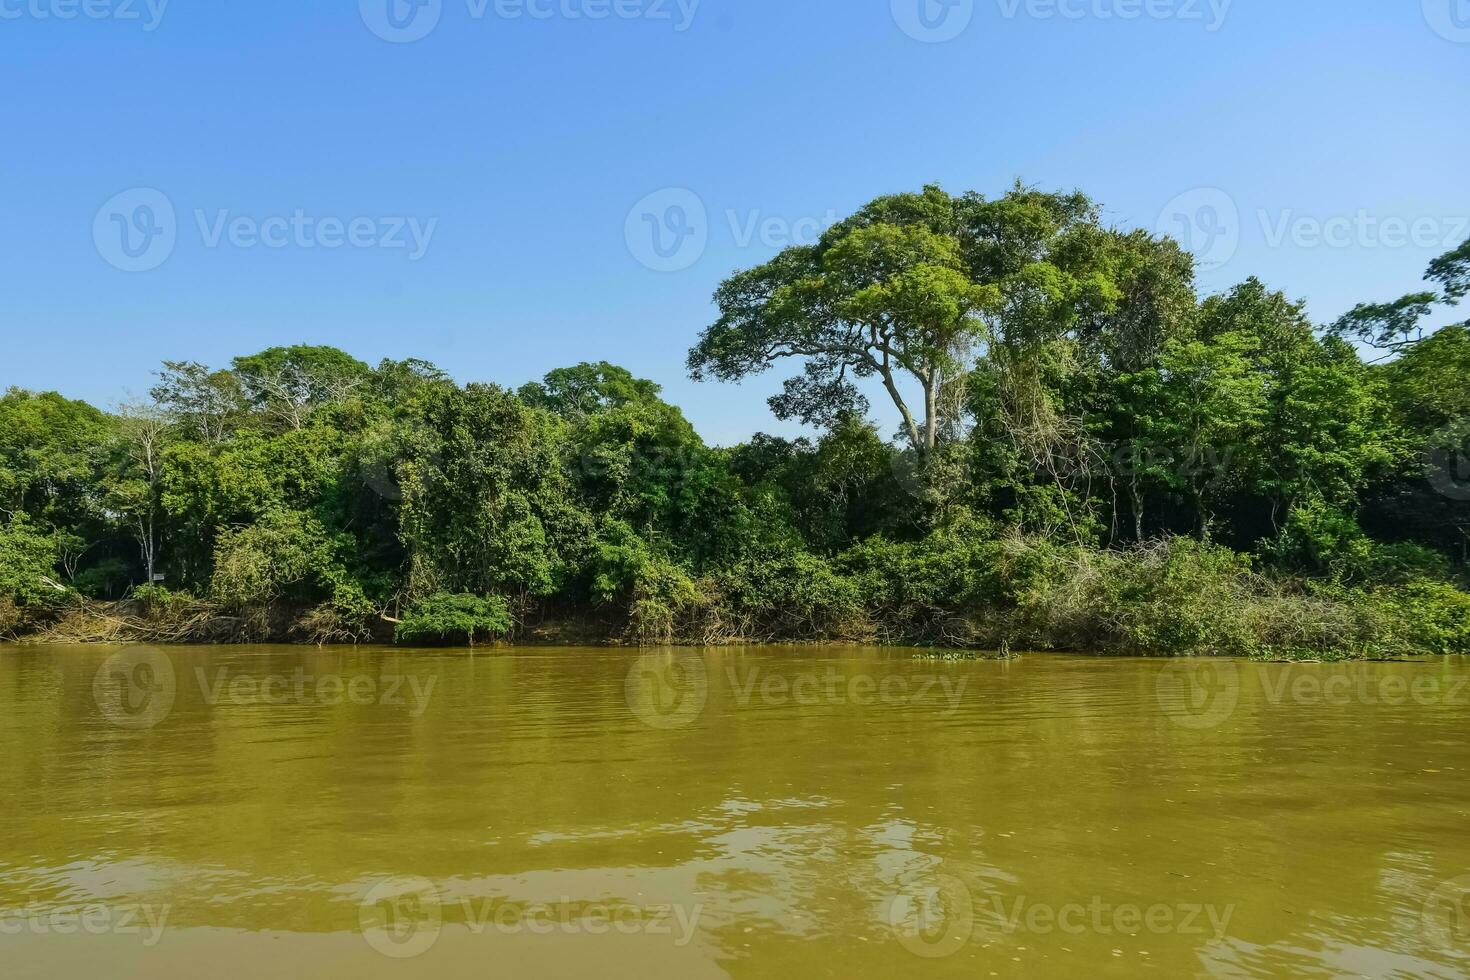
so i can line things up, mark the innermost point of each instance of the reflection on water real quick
(770, 812)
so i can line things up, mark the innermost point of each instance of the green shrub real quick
(262, 562)
(1422, 617)
(157, 602)
(104, 580)
(27, 562)
(446, 617)
(791, 596)
(1176, 597)
(923, 591)
(1324, 541)
(1181, 596)
(654, 592)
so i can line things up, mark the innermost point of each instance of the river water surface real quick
(267, 812)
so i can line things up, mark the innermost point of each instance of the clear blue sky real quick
(530, 140)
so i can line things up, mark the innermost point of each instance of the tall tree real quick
(288, 384)
(885, 294)
(206, 404)
(1399, 325)
(134, 481)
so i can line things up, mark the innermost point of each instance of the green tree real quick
(132, 485)
(288, 384)
(485, 500)
(206, 405)
(884, 294)
(588, 389)
(1399, 325)
(1211, 405)
(49, 448)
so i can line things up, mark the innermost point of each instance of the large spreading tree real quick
(888, 293)
(913, 287)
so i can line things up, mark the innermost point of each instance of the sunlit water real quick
(265, 812)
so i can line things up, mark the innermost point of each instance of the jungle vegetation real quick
(1089, 455)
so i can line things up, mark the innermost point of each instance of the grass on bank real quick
(1173, 597)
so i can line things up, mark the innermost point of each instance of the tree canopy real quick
(1079, 433)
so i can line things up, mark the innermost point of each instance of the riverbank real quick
(1176, 598)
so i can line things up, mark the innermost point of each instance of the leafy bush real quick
(157, 602)
(1423, 617)
(106, 579)
(793, 596)
(446, 617)
(654, 590)
(924, 591)
(1179, 597)
(27, 561)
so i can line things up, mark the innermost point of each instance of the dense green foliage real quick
(1088, 456)
(444, 617)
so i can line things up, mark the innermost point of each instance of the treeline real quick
(1089, 457)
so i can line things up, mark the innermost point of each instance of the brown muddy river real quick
(268, 812)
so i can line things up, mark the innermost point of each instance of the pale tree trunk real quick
(908, 419)
(931, 408)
